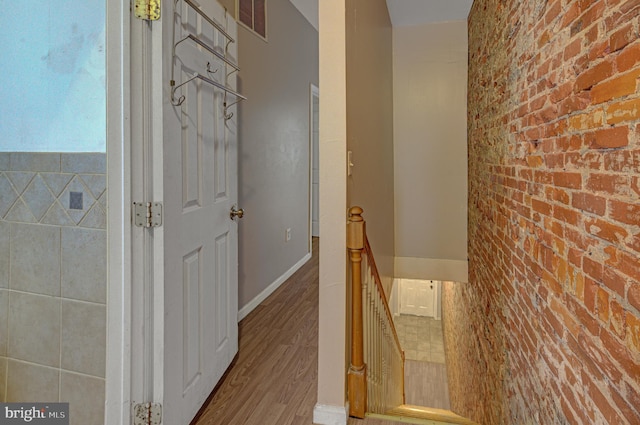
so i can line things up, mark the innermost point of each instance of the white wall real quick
(430, 150)
(52, 96)
(273, 180)
(333, 195)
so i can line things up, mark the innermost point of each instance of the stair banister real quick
(357, 376)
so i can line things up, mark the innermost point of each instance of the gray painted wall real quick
(274, 146)
(370, 125)
(430, 150)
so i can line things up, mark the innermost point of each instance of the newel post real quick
(357, 376)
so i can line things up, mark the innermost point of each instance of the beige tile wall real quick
(53, 280)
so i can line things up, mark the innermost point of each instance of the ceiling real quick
(416, 12)
(404, 12)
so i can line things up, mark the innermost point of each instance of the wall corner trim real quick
(251, 305)
(324, 414)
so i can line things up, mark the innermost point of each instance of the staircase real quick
(375, 379)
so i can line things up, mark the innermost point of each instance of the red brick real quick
(622, 161)
(634, 295)
(606, 365)
(628, 58)
(607, 183)
(605, 407)
(621, 85)
(605, 230)
(570, 14)
(620, 353)
(612, 280)
(623, 111)
(594, 75)
(594, 270)
(629, 10)
(589, 203)
(541, 207)
(622, 37)
(568, 180)
(566, 215)
(618, 324)
(633, 333)
(603, 305)
(584, 317)
(628, 409)
(625, 212)
(615, 137)
(625, 263)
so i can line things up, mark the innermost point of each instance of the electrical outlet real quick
(287, 235)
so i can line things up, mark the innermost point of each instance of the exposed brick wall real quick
(551, 316)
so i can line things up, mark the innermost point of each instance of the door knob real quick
(236, 213)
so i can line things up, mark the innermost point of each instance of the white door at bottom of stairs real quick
(196, 326)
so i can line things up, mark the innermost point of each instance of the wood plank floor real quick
(426, 384)
(274, 378)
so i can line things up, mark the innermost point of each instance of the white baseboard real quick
(248, 308)
(330, 415)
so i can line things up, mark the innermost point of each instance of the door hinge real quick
(149, 10)
(147, 214)
(147, 414)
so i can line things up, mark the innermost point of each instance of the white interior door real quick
(199, 186)
(417, 297)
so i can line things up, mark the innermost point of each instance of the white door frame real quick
(130, 359)
(118, 66)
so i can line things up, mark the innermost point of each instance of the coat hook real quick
(209, 69)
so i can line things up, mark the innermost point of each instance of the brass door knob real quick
(236, 213)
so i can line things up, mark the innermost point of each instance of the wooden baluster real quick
(357, 377)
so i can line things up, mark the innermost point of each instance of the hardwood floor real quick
(426, 384)
(273, 380)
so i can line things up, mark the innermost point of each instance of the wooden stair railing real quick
(376, 373)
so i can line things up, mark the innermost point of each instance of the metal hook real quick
(228, 116)
(209, 69)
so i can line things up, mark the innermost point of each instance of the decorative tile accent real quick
(85, 396)
(20, 213)
(20, 180)
(57, 215)
(34, 329)
(32, 192)
(103, 200)
(38, 197)
(84, 337)
(7, 195)
(96, 218)
(75, 200)
(97, 183)
(56, 181)
(76, 185)
(31, 383)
